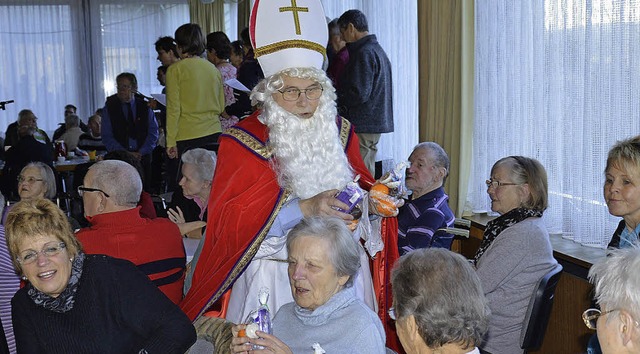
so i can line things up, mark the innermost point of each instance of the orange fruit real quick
(242, 333)
(380, 188)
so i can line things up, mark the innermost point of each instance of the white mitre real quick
(288, 34)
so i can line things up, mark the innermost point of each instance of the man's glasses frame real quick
(82, 189)
(293, 93)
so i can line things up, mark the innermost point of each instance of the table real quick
(70, 165)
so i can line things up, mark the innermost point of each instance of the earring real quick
(624, 329)
(24, 278)
(71, 259)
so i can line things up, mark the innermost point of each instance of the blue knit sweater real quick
(342, 325)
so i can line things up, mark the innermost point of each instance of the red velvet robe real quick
(245, 200)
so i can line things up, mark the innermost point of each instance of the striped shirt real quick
(9, 284)
(419, 220)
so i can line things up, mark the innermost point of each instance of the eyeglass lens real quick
(49, 250)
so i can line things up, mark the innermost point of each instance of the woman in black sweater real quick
(77, 303)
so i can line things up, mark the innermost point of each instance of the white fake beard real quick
(309, 157)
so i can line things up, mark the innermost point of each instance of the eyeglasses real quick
(392, 313)
(49, 250)
(590, 317)
(124, 87)
(495, 184)
(82, 189)
(293, 93)
(29, 180)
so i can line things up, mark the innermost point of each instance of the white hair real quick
(309, 156)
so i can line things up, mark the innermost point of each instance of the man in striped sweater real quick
(427, 209)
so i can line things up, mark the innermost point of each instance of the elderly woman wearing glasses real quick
(515, 251)
(77, 303)
(439, 306)
(325, 315)
(617, 290)
(35, 181)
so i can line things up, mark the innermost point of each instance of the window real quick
(55, 52)
(557, 81)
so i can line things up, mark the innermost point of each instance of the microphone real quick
(4, 103)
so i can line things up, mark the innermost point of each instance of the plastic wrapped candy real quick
(351, 195)
(260, 319)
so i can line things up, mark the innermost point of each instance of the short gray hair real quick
(439, 156)
(71, 121)
(443, 293)
(204, 161)
(616, 280)
(46, 173)
(118, 179)
(343, 251)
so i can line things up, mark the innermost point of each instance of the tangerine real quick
(242, 333)
(379, 187)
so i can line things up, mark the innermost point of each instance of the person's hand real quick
(324, 204)
(176, 215)
(153, 104)
(270, 343)
(240, 344)
(172, 152)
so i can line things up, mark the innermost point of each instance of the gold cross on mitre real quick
(295, 9)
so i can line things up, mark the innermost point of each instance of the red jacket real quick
(154, 245)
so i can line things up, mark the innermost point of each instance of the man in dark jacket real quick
(129, 124)
(365, 94)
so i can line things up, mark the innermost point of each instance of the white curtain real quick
(56, 52)
(36, 56)
(557, 81)
(395, 24)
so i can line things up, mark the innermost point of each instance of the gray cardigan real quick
(509, 270)
(342, 325)
(365, 96)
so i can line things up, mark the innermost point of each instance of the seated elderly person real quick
(427, 209)
(72, 134)
(110, 193)
(77, 303)
(438, 303)
(26, 118)
(35, 181)
(92, 141)
(198, 166)
(617, 285)
(323, 260)
(515, 252)
(26, 150)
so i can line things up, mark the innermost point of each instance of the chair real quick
(539, 310)
(460, 228)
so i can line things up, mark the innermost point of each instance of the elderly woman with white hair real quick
(617, 291)
(35, 181)
(439, 305)
(198, 166)
(325, 315)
